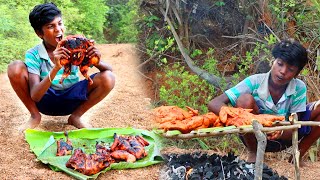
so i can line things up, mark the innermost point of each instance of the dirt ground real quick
(127, 105)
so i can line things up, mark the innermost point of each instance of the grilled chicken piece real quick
(171, 113)
(132, 144)
(64, 147)
(77, 45)
(187, 125)
(90, 164)
(123, 155)
(239, 116)
(142, 141)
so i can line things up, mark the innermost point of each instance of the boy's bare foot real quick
(33, 122)
(251, 157)
(77, 122)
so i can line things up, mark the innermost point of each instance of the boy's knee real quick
(108, 79)
(15, 68)
(246, 101)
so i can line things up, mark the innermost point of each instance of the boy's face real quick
(282, 73)
(52, 32)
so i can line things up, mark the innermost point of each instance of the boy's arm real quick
(39, 88)
(103, 66)
(215, 104)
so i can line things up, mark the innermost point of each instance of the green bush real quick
(123, 18)
(182, 89)
(16, 36)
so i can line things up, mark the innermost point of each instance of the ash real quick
(199, 166)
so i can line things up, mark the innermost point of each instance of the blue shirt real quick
(292, 101)
(38, 62)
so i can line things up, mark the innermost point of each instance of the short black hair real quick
(292, 52)
(43, 14)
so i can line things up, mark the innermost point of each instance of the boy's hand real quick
(274, 135)
(60, 53)
(93, 51)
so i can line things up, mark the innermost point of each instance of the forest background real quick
(191, 50)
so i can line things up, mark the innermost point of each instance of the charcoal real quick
(209, 175)
(180, 172)
(205, 167)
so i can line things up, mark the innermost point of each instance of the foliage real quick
(123, 18)
(15, 35)
(182, 89)
(93, 13)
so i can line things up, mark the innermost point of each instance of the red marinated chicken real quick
(64, 147)
(77, 45)
(90, 164)
(123, 155)
(132, 144)
(124, 148)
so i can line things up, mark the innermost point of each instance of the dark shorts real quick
(279, 145)
(64, 102)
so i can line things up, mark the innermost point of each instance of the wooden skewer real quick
(230, 131)
(302, 123)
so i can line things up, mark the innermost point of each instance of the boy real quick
(276, 92)
(36, 82)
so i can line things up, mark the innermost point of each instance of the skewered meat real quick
(132, 144)
(189, 124)
(239, 116)
(174, 118)
(64, 147)
(170, 113)
(77, 45)
(90, 164)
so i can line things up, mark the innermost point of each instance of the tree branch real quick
(212, 79)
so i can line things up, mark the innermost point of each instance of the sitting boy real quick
(36, 81)
(276, 92)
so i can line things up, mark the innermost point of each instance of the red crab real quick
(77, 45)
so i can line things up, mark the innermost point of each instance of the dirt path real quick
(126, 106)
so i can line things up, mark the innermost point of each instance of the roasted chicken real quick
(239, 116)
(132, 144)
(192, 123)
(123, 155)
(124, 148)
(170, 113)
(77, 45)
(90, 164)
(64, 147)
(175, 118)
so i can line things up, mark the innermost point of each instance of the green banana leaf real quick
(43, 144)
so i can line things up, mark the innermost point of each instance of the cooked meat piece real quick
(64, 147)
(175, 125)
(120, 143)
(194, 122)
(192, 111)
(189, 124)
(132, 144)
(227, 112)
(142, 141)
(77, 45)
(137, 149)
(171, 113)
(123, 155)
(239, 116)
(90, 164)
